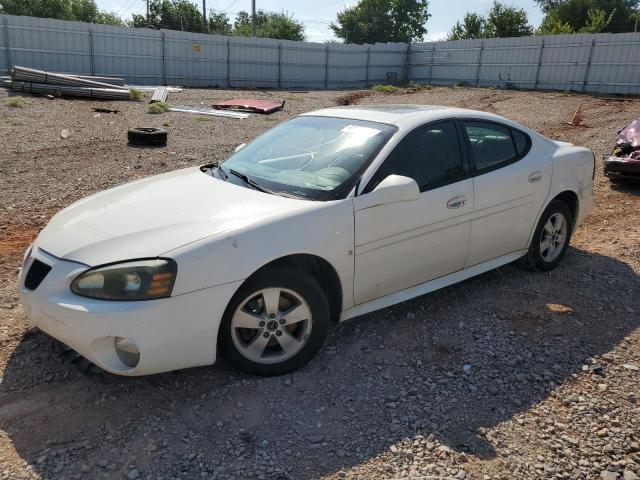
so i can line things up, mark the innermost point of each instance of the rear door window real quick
(491, 144)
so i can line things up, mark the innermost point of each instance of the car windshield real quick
(319, 158)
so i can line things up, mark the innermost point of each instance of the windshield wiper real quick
(221, 171)
(250, 182)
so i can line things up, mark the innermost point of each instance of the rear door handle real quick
(457, 201)
(535, 176)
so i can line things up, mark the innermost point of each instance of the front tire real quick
(275, 323)
(551, 238)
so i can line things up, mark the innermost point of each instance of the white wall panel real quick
(608, 63)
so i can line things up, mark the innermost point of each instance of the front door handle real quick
(535, 176)
(457, 201)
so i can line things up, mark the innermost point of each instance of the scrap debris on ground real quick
(31, 80)
(250, 105)
(511, 375)
(208, 112)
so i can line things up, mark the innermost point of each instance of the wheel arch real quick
(322, 271)
(569, 197)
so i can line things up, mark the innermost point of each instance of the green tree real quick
(108, 18)
(84, 10)
(269, 25)
(58, 9)
(372, 21)
(472, 26)
(590, 16)
(552, 25)
(501, 21)
(172, 15)
(219, 23)
(507, 21)
(183, 15)
(79, 10)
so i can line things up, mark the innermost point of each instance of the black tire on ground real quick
(147, 136)
(534, 260)
(285, 277)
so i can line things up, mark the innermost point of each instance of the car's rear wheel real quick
(551, 238)
(275, 323)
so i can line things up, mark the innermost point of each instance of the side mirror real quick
(239, 147)
(393, 189)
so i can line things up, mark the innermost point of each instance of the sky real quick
(317, 14)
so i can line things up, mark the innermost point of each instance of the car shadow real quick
(629, 187)
(443, 368)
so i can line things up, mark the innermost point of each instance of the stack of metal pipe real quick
(40, 81)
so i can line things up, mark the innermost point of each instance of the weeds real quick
(158, 108)
(135, 94)
(204, 118)
(16, 102)
(384, 88)
(166, 124)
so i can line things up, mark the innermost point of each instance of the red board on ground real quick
(249, 105)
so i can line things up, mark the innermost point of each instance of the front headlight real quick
(134, 280)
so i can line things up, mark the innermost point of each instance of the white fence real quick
(604, 62)
(607, 63)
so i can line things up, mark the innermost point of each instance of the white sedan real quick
(328, 216)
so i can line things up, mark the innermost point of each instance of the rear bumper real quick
(170, 333)
(615, 167)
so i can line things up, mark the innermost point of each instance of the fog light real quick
(127, 351)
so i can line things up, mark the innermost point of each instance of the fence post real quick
(93, 63)
(228, 62)
(479, 63)
(588, 67)
(366, 78)
(279, 65)
(407, 55)
(7, 50)
(535, 84)
(326, 67)
(164, 59)
(433, 54)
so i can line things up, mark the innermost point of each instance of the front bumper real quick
(170, 333)
(616, 167)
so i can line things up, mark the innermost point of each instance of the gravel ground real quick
(510, 375)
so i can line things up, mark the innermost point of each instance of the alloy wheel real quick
(271, 325)
(553, 237)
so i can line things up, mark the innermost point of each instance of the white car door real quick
(510, 186)
(399, 245)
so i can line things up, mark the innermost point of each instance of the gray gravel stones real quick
(509, 376)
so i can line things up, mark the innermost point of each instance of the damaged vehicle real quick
(624, 162)
(331, 215)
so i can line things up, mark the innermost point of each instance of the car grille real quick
(36, 274)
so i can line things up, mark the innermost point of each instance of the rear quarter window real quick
(493, 145)
(521, 141)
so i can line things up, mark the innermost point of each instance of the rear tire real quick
(275, 323)
(550, 239)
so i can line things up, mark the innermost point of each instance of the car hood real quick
(152, 216)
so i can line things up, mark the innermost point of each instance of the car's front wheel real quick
(551, 238)
(275, 323)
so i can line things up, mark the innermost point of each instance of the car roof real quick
(404, 116)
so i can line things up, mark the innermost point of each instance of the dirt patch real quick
(15, 238)
(352, 98)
